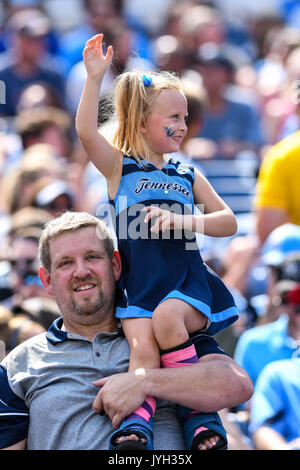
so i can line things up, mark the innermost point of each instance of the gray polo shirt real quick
(49, 378)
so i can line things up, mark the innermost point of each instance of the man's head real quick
(80, 268)
(285, 287)
(29, 29)
(216, 68)
(283, 242)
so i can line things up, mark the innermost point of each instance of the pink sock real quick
(180, 356)
(145, 412)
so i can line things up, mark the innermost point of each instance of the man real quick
(277, 332)
(275, 418)
(277, 198)
(53, 378)
(233, 126)
(279, 337)
(26, 61)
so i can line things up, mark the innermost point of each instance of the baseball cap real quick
(212, 54)
(282, 241)
(31, 23)
(50, 192)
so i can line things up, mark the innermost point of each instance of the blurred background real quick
(239, 63)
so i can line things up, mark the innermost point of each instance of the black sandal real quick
(206, 434)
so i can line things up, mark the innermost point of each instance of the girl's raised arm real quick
(104, 156)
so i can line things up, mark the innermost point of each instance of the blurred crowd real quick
(240, 69)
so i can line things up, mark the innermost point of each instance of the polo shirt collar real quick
(56, 335)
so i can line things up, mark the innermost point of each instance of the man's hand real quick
(120, 395)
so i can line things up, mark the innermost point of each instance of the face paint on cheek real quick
(169, 132)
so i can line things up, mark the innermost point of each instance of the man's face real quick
(82, 278)
(215, 77)
(31, 49)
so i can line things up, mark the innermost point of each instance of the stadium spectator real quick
(277, 198)
(23, 65)
(95, 16)
(14, 329)
(233, 126)
(88, 322)
(276, 338)
(45, 125)
(275, 423)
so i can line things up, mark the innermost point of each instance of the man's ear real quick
(45, 280)
(117, 265)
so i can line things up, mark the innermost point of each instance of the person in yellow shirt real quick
(277, 199)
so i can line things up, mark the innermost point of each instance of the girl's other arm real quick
(218, 219)
(104, 156)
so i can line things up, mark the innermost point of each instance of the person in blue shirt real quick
(277, 339)
(264, 344)
(26, 61)
(275, 412)
(231, 124)
(97, 15)
(276, 335)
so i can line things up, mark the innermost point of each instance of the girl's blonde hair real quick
(133, 103)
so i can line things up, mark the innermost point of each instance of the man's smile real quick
(84, 287)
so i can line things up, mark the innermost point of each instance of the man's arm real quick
(21, 445)
(266, 438)
(267, 219)
(272, 194)
(14, 415)
(214, 383)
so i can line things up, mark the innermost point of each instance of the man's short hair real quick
(71, 221)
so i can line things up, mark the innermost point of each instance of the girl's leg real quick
(177, 350)
(144, 350)
(144, 353)
(173, 320)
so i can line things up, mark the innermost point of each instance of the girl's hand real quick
(166, 220)
(96, 63)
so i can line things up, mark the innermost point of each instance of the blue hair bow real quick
(147, 81)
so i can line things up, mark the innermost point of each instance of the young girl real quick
(171, 293)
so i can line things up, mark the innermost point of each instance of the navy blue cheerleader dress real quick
(164, 265)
